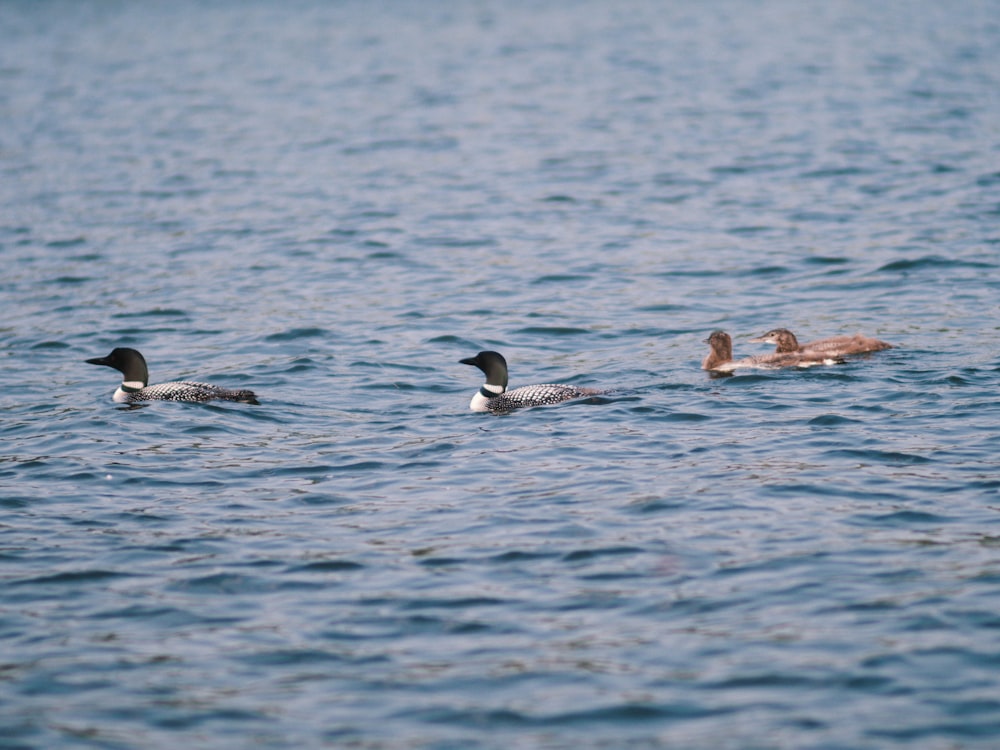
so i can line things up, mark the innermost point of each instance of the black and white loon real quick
(720, 359)
(493, 396)
(835, 346)
(135, 379)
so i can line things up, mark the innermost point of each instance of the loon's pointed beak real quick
(759, 340)
(98, 361)
(467, 361)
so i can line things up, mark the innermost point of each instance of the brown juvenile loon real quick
(720, 359)
(834, 346)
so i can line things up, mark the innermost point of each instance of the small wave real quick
(69, 242)
(750, 229)
(298, 333)
(765, 271)
(156, 312)
(686, 416)
(290, 656)
(456, 242)
(521, 556)
(827, 172)
(444, 143)
(933, 261)
(50, 345)
(988, 180)
(665, 307)
(359, 466)
(327, 566)
(560, 278)
(224, 583)
(826, 420)
(903, 518)
(452, 339)
(70, 577)
(588, 554)
(627, 714)
(553, 331)
(825, 260)
(883, 457)
(465, 602)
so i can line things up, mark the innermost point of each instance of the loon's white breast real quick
(481, 401)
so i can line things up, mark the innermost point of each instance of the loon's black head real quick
(128, 362)
(491, 363)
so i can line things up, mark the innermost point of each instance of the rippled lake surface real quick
(332, 203)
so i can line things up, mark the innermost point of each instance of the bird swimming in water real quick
(135, 383)
(835, 346)
(493, 395)
(720, 359)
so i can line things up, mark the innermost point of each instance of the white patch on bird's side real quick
(817, 362)
(725, 367)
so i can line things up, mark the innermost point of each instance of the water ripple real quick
(333, 206)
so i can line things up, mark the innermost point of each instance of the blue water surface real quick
(332, 203)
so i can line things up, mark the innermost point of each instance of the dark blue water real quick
(333, 203)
